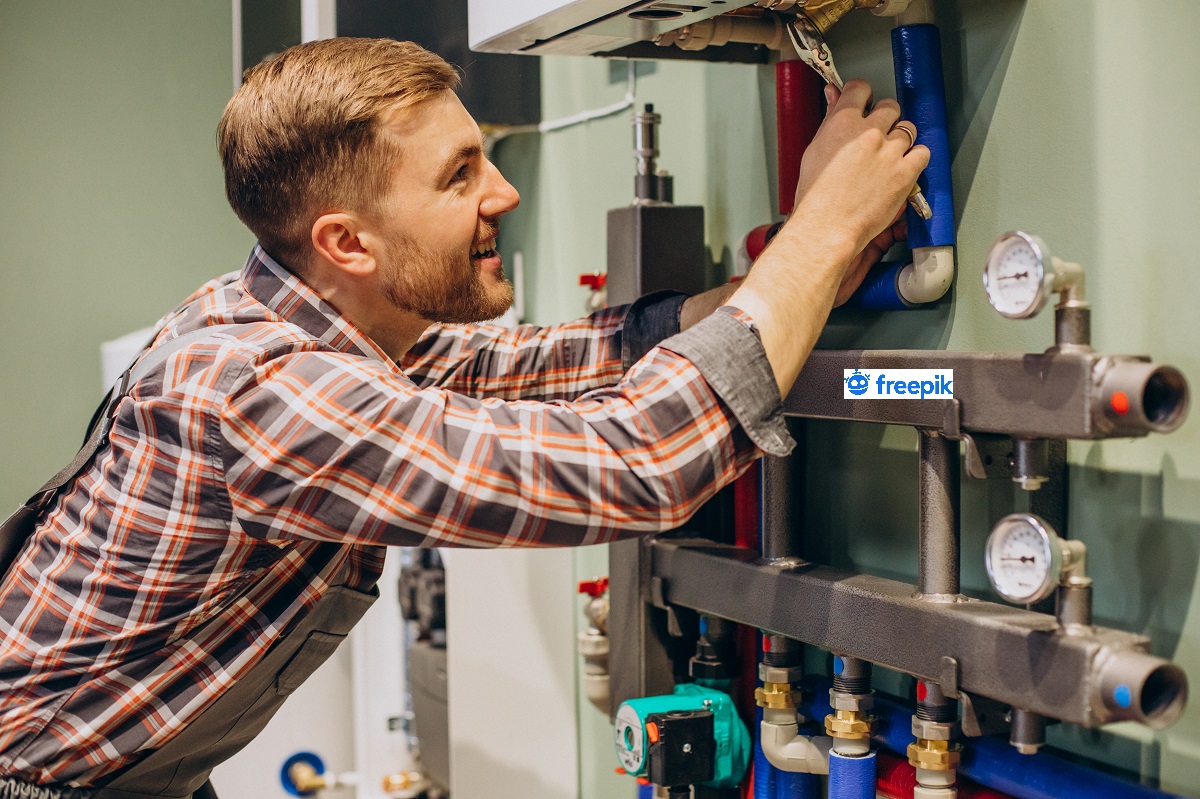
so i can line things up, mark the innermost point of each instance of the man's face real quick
(441, 218)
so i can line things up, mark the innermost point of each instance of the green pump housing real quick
(732, 738)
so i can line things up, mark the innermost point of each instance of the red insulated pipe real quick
(799, 91)
(895, 779)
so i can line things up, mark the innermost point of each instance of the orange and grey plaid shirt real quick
(258, 463)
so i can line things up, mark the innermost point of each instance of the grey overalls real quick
(181, 767)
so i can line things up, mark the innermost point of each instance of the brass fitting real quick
(824, 13)
(306, 779)
(401, 781)
(934, 755)
(849, 724)
(775, 695)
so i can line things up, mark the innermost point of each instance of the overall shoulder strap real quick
(19, 526)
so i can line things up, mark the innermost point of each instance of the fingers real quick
(905, 133)
(856, 95)
(832, 95)
(885, 114)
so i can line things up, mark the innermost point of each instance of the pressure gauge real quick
(1019, 275)
(1024, 558)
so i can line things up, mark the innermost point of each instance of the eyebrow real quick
(464, 153)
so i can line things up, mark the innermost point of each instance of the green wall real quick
(113, 207)
(1070, 119)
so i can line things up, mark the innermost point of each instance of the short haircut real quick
(300, 137)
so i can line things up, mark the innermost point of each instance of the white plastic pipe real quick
(929, 276)
(787, 750)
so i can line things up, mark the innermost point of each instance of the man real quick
(308, 412)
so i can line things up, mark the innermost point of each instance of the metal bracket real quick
(952, 420)
(982, 716)
(658, 598)
(948, 677)
(988, 456)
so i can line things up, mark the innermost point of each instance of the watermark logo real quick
(857, 383)
(898, 384)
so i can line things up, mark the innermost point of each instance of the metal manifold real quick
(981, 653)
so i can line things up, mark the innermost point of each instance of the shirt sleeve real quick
(328, 446)
(543, 363)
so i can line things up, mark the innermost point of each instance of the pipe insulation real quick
(796, 785)
(991, 761)
(851, 777)
(917, 57)
(799, 92)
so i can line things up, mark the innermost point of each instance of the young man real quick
(309, 412)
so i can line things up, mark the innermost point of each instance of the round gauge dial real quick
(627, 732)
(1024, 558)
(1015, 275)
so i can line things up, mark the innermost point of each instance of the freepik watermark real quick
(898, 384)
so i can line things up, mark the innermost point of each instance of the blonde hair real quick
(300, 137)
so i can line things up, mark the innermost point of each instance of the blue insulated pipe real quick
(879, 291)
(992, 762)
(796, 785)
(764, 772)
(917, 56)
(851, 777)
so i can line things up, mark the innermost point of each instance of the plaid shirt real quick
(257, 464)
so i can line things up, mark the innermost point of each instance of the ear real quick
(340, 241)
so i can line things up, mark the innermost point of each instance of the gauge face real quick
(1024, 558)
(1015, 275)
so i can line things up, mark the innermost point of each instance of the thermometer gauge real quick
(1024, 558)
(1019, 275)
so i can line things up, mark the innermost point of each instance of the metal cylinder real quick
(1028, 731)
(851, 675)
(934, 705)
(780, 527)
(1030, 467)
(1137, 686)
(1138, 396)
(780, 652)
(645, 138)
(1073, 605)
(1073, 326)
(938, 515)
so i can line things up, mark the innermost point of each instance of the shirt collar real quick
(295, 302)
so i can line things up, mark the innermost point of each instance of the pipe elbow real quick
(928, 277)
(787, 750)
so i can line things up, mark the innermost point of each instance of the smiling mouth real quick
(485, 249)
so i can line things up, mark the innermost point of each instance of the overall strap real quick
(19, 526)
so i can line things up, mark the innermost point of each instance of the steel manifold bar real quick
(1013, 656)
(1074, 394)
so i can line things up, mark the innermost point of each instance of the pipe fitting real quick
(928, 277)
(775, 695)
(766, 30)
(1136, 396)
(1137, 686)
(787, 750)
(935, 730)
(861, 703)
(934, 755)
(849, 725)
(780, 674)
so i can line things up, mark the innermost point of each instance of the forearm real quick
(789, 294)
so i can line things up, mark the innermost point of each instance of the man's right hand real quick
(854, 180)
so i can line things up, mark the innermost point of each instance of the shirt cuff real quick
(725, 347)
(649, 320)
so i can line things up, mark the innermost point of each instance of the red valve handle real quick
(595, 281)
(594, 588)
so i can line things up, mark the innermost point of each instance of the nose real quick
(500, 197)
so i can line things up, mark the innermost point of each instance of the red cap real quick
(595, 281)
(594, 588)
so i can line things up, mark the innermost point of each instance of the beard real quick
(441, 288)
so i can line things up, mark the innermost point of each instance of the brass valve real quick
(306, 778)
(775, 695)
(934, 755)
(849, 724)
(400, 781)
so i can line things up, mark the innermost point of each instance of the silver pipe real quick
(937, 515)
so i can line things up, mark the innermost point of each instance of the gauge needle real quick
(1025, 559)
(1014, 277)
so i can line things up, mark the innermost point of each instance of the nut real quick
(775, 695)
(839, 700)
(933, 755)
(790, 674)
(935, 730)
(849, 724)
